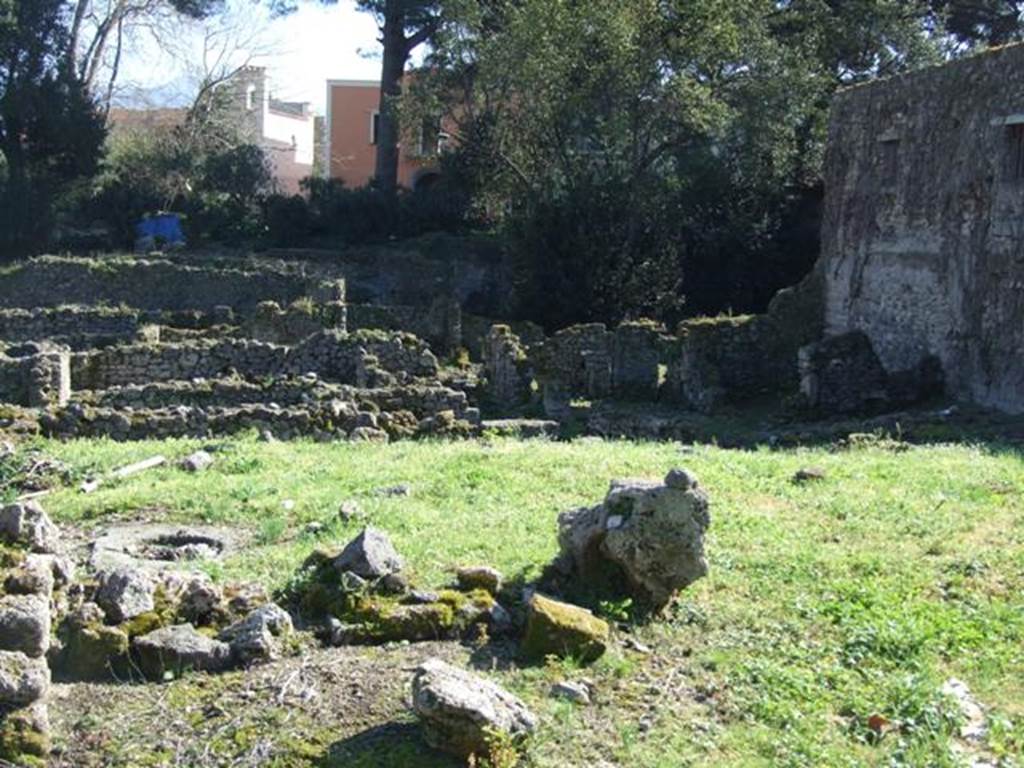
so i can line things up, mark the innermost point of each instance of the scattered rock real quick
(27, 525)
(23, 680)
(500, 620)
(370, 555)
(197, 462)
(650, 533)
(809, 475)
(419, 597)
(681, 479)
(92, 650)
(973, 728)
(25, 733)
(577, 693)
(368, 435)
(479, 577)
(402, 489)
(33, 577)
(561, 629)
(635, 645)
(200, 602)
(459, 710)
(25, 624)
(244, 598)
(314, 528)
(179, 648)
(125, 593)
(255, 638)
(349, 511)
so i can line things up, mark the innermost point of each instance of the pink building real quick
(351, 139)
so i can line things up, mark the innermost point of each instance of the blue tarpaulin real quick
(160, 229)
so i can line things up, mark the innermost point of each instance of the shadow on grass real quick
(391, 745)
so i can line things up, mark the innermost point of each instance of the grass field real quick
(832, 615)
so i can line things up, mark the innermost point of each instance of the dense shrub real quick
(333, 213)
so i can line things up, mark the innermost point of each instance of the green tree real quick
(404, 26)
(50, 131)
(652, 151)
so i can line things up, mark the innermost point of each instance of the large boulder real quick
(27, 525)
(461, 712)
(22, 679)
(561, 629)
(370, 555)
(649, 533)
(257, 636)
(125, 593)
(25, 624)
(177, 649)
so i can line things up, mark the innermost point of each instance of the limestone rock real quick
(125, 593)
(370, 555)
(25, 733)
(458, 709)
(200, 602)
(25, 624)
(29, 526)
(91, 650)
(197, 462)
(22, 680)
(578, 693)
(179, 648)
(256, 637)
(479, 577)
(652, 533)
(564, 630)
(33, 577)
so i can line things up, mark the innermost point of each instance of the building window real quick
(374, 126)
(250, 97)
(1015, 152)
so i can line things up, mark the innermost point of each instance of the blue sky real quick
(301, 52)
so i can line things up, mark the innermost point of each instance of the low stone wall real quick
(294, 323)
(155, 284)
(421, 400)
(332, 355)
(77, 326)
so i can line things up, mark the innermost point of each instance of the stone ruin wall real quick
(705, 364)
(923, 238)
(154, 284)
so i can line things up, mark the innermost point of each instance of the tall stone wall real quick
(923, 238)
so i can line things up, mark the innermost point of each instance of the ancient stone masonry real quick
(707, 363)
(79, 327)
(37, 375)
(923, 240)
(842, 374)
(155, 283)
(506, 365)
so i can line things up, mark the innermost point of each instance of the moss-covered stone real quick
(561, 629)
(24, 740)
(93, 652)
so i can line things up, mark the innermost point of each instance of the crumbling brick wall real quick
(923, 238)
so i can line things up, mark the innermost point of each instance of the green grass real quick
(827, 603)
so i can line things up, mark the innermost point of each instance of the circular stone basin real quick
(183, 545)
(160, 547)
